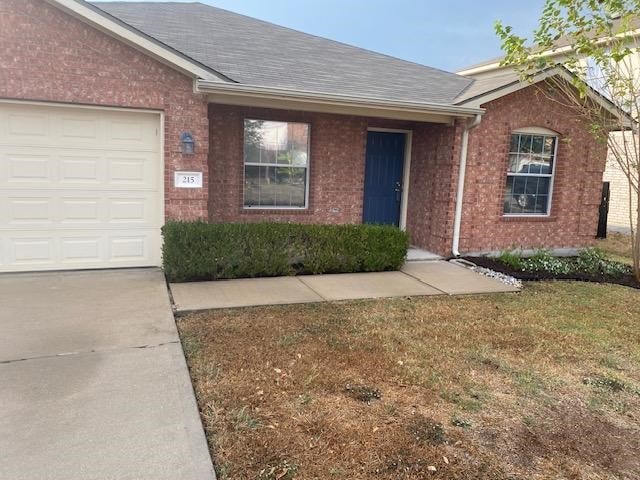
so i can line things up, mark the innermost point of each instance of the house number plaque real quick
(188, 179)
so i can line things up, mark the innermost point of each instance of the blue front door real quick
(383, 177)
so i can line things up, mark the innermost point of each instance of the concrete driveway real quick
(93, 380)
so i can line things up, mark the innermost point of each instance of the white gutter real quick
(208, 86)
(457, 219)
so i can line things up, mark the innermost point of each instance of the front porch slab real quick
(454, 279)
(415, 254)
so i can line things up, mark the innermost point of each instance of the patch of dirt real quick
(427, 431)
(627, 280)
(583, 436)
(362, 393)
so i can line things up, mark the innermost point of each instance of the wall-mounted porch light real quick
(187, 143)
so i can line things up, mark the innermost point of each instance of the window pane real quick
(515, 142)
(526, 195)
(276, 156)
(531, 162)
(267, 186)
(514, 163)
(280, 143)
(539, 164)
(525, 144)
(549, 145)
(537, 143)
(541, 204)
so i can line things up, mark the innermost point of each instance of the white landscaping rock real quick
(502, 277)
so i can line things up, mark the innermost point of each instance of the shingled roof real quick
(253, 52)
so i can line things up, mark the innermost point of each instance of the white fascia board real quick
(145, 44)
(252, 95)
(549, 53)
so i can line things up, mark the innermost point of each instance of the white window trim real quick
(404, 199)
(307, 176)
(552, 175)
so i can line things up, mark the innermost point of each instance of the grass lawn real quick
(541, 384)
(617, 246)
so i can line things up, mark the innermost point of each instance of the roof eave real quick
(486, 97)
(282, 98)
(555, 52)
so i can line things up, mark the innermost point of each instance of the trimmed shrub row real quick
(195, 251)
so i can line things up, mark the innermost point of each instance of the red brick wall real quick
(47, 55)
(579, 166)
(336, 162)
(433, 178)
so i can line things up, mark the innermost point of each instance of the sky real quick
(446, 34)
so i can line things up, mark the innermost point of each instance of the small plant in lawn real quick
(426, 430)
(305, 398)
(609, 383)
(528, 382)
(245, 420)
(460, 422)
(284, 470)
(363, 393)
(611, 362)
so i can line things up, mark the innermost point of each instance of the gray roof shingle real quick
(488, 82)
(254, 52)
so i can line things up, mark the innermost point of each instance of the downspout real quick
(457, 219)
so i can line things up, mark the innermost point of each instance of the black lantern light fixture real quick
(188, 144)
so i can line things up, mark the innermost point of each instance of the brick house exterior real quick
(50, 56)
(45, 56)
(580, 163)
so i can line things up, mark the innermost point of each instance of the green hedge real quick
(202, 251)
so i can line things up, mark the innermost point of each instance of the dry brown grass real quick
(542, 384)
(617, 246)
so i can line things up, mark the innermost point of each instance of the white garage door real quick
(79, 188)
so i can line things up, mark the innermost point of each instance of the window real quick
(276, 164)
(530, 174)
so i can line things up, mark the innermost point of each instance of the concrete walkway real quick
(415, 279)
(94, 382)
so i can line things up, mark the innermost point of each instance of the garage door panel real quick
(31, 250)
(48, 167)
(26, 167)
(30, 211)
(26, 127)
(80, 130)
(81, 187)
(129, 170)
(122, 132)
(77, 210)
(59, 209)
(82, 249)
(80, 169)
(129, 210)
